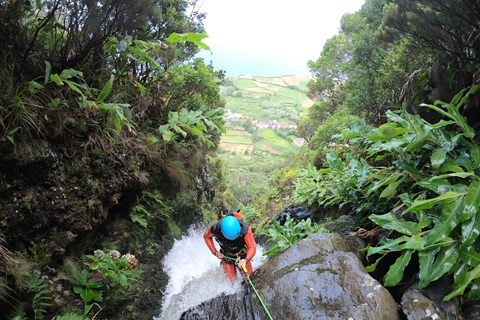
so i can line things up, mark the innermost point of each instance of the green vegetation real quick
(284, 100)
(244, 83)
(385, 148)
(410, 165)
(247, 179)
(275, 141)
(247, 106)
(287, 235)
(122, 106)
(246, 154)
(293, 94)
(125, 99)
(237, 139)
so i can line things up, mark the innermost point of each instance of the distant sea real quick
(236, 61)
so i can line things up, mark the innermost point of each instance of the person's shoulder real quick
(216, 227)
(244, 225)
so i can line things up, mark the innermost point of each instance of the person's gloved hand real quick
(242, 263)
(219, 255)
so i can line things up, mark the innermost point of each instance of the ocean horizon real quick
(235, 61)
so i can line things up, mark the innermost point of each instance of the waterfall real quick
(195, 275)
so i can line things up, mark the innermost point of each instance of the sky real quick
(271, 31)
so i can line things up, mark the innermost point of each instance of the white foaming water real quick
(195, 275)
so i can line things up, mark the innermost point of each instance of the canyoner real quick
(235, 238)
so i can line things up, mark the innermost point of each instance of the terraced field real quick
(283, 99)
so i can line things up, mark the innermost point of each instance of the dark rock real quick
(320, 277)
(296, 211)
(427, 303)
(471, 310)
(343, 225)
(418, 307)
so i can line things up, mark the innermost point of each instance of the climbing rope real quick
(249, 297)
(247, 279)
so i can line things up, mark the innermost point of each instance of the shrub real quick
(430, 170)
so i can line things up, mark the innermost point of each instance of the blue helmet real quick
(230, 228)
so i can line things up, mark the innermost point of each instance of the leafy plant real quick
(20, 111)
(18, 312)
(250, 213)
(39, 253)
(67, 76)
(197, 122)
(287, 235)
(70, 316)
(113, 270)
(191, 37)
(430, 170)
(39, 287)
(88, 289)
(149, 209)
(308, 188)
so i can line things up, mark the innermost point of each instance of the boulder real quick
(427, 303)
(471, 310)
(321, 277)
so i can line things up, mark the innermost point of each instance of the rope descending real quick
(247, 279)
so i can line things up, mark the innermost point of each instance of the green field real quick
(248, 106)
(303, 85)
(244, 83)
(231, 132)
(292, 94)
(264, 79)
(275, 141)
(236, 139)
(283, 100)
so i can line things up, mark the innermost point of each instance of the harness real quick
(242, 254)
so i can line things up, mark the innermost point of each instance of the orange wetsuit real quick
(244, 245)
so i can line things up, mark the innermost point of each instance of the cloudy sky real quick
(293, 30)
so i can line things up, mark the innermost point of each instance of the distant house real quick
(262, 124)
(299, 141)
(283, 125)
(238, 115)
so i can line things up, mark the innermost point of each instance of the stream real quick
(195, 275)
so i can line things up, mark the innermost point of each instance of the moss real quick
(209, 216)
(422, 305)
(323, 270)
(318, 258)
(175, 231)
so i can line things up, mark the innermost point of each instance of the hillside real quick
(262, 113)
(261, 120)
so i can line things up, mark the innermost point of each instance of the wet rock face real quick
(204, 184)
(47, 195)
(296, 211)
(321, 277)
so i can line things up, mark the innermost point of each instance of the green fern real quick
(150, 207)
(38, 286)
(18, 312)
(69, 316)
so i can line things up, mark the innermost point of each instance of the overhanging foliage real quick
(409, 165)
